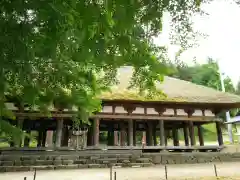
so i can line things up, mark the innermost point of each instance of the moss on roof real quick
(173, 89)
(128, 95)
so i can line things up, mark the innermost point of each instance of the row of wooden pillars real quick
(126, 135)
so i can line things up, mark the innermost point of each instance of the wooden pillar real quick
(27, 139)
(96, 124)
(186, 134)
(65, 136)
(110, 137)
(200, 135)
(20, 121)
(90, 136)
(122, 134)
(49, 138)
(149, 133)
(130, 132)
(191, 133)
(59, 132)
(175, 136)
(144, 140)
(44, 135)
(162, 133)
(219, 133)
(154, 136)
(166, 137)
(116, 139)
(134, 132)
(39, 138)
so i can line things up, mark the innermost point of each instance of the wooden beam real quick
(113, 116)
(39, 115)
(153, 117)
(172, 104)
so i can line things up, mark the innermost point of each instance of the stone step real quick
(107, 160)
(73, 152)
(70, 166)
(141, 164)
(143, 160)
(63, 157)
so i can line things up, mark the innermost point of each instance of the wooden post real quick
(90, 136)
(39, 138)
(116, 139)
(122, 134)
(162, 133)
(110, 136)
(20, 121)
(166, 137)
(175, 136)
(130, 132)
(192, 135)
(59, 132)
(149, 133)
(96, 132)
(134, 133)
(44, 135)
(65, 137)
(186, 134)
(49, 139)
(27, 139)
(144, 138)
(200, 135)
(154, 136)
(219, 133)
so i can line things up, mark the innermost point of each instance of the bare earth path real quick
(150, 173)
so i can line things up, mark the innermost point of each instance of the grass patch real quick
(209, 132)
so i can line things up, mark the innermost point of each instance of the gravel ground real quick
(150, 173)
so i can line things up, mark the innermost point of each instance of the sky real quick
(222, 26)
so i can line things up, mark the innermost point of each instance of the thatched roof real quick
(175, 90)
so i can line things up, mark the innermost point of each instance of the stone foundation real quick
(26, 161)
(192, 158)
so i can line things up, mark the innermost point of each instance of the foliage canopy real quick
(65, 52)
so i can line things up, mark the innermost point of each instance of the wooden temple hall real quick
(129, 121)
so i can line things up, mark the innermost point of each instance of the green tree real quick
(66, 52)
(238, 88)
(204, 74)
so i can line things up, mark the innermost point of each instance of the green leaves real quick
(14, 133)
(204, 74)
(67, 52)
